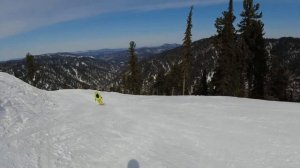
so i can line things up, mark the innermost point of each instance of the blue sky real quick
(43, 26)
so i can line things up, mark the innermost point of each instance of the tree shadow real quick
(133, 164)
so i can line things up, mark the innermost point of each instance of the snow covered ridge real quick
(67, 128)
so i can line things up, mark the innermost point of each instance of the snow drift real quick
(67, 128)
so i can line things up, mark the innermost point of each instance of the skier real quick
(98, 98)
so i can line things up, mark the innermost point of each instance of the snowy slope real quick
(67, 129)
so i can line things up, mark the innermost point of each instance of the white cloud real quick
(17, 16)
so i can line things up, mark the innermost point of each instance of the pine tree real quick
(278, 80)
(159, 85)
(228, 77)
(31, 67)
(187, 55)
(204, 86)
(132, 76)
(252, 31)
(173, 87)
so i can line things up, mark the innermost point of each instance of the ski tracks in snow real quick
(66, 128)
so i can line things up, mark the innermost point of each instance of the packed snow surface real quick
(66, 128)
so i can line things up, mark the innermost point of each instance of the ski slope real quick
(67, 129)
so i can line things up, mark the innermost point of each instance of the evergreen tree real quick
(159, 85)
(173, 87)
(187, 55)
(278, 80)
(168, 84)
(204, 86)
(132, 76)
(31, 67)
(252, 31)
(228, 77)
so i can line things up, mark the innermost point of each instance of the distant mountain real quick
(120, 56)
(102, 69)
(64, 70)
(89, 69)
(287, 50)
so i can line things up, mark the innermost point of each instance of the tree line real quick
(241, 67)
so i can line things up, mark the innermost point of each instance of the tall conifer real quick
(132, 76)
(187, 55)
(31, 67)
(204, 86)
(252, 32)
(228, 77)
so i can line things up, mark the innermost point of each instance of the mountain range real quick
(93, 69)
(286, 50)
(102, 69)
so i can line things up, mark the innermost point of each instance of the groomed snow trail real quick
(66, 128)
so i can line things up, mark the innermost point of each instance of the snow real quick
(67, 128)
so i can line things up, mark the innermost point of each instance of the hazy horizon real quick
(49, 27)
